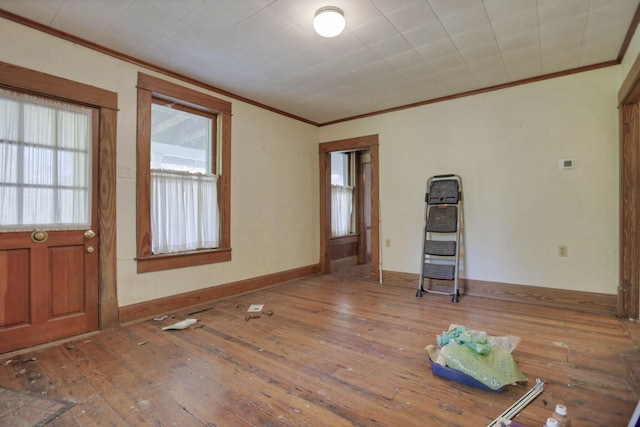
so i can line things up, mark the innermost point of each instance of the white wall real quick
(274, 185)
(518, 206)
(633, 50)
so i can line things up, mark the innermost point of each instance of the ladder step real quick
(439, 271)
(442, 219)
(440, 247)
(443, 191)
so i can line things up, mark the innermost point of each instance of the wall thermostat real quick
(567, 164)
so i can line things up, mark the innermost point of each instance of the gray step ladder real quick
(440, 258)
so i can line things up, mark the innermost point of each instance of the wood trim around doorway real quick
(629, 113)
(369, 142)
(628, 297)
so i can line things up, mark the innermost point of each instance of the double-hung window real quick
(183, 153)
(184, 195)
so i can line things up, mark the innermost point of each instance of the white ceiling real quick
(392, 52)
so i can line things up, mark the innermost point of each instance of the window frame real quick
(148, 88)
(213, 116)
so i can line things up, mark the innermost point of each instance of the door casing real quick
(369, 142)
(106, 103)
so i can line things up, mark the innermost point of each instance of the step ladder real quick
(441, 237)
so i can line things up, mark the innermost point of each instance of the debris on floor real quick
(504, 419)
(184, 324)
(255, 311)
(475, 358)
(12, 361)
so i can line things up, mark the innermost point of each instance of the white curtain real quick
(341, 208)
(45, 164)
(184, 211)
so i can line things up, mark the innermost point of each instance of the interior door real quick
(48, 267)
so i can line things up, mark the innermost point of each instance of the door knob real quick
(39, 236)
(89, 234)
(90, 249)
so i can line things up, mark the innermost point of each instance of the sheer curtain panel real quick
(184, 211)
(341, 208)
(45, 164)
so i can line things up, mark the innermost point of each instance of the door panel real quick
(14, 287)
(49, 289)
(67, 280)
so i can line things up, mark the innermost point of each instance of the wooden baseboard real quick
(158, 306)
(536, 295)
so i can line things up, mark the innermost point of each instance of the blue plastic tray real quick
(457, 376)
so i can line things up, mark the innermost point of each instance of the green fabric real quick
(495, 369)
(476, 341)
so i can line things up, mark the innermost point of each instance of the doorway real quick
(363, 243)
(60, 281)
(629, 113)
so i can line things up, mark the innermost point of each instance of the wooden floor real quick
(337, 350)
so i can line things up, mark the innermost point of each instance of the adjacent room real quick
(217, 212)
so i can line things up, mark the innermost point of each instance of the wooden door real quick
(49, 279)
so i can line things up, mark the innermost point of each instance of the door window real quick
(45, 164)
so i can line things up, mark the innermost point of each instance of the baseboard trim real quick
(158, 306)
(536, 295)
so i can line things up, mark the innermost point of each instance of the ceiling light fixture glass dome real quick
(329, 21)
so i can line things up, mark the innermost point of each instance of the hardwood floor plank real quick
(336, 350)
(268, 404)
(10, 371)
(103, 370)
(68, 384)
(174, 394)
(304, 368)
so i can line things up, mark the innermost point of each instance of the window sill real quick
(341, 240)
(183, 259)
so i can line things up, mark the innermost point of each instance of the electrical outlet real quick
(387, 242)
(563, 251)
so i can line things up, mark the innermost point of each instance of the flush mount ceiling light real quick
(329, 21)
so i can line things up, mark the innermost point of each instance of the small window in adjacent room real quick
(183, 164)
(342, 206)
